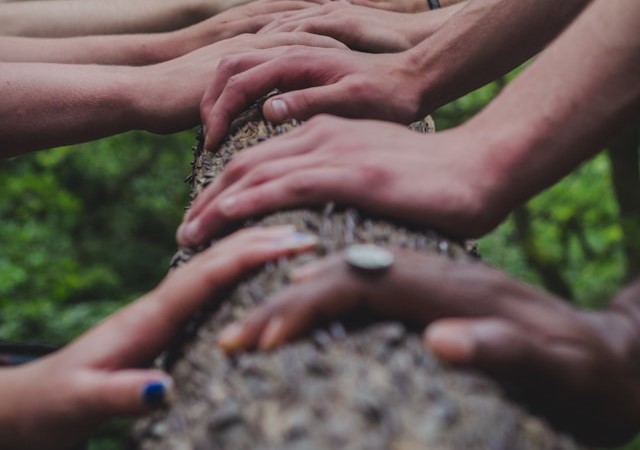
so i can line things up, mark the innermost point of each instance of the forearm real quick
(90, 17)
(579, 92)
(130, 50)
(47, 105)
(486, 39)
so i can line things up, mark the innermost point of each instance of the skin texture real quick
(64, 18)
(143, 49)
(463, 181)
(465, 53)
(57, 400)
(363, 28)
(77, 103)
(580, 368)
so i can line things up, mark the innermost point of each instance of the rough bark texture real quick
(362, 385)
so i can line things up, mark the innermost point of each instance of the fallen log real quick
(361, 385)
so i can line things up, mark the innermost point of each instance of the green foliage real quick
(86, 228)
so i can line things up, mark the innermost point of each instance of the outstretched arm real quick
(482, 41)
(145, 48)
(47, 105)
(57, 400)
(61, 18)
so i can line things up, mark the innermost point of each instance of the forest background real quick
(87, 228)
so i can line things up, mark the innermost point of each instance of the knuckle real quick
(301, 185)
(371, 174)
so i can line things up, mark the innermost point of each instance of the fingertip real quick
(231, 338)
(158, 393)
(276, 110)
(190, 233)
(451, 342)
(273, 334)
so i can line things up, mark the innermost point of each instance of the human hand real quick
(247, 18)
(406, 6)
(433, 180)
(361, 28)
(165, 102)
(580, 369)
(345, 83)
(57, 400)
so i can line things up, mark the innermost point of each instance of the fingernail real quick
(230, 337)
(453, 343)
(228, 206)
(157, 394)
(271, 336)
(297, 241)
(189, 232)
(280, 110)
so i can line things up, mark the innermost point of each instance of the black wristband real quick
(433, 4)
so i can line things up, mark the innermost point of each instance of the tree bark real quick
(356, 384)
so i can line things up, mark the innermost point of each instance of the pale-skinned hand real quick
(406, 6)
(361, 28)
(57, 400)
(580, 368)
(168, 94)
(315, 80)
(384, 168)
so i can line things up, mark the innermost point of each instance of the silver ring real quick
(368, 258)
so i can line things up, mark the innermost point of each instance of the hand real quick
(580, 368)
(361, 28)
(56, 401)
(344, 83)
(435, 180)
(248, 18)
(407, 6)
(166, 102)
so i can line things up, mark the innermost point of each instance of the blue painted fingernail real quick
(157, 394)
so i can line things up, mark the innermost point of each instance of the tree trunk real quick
(350, 385)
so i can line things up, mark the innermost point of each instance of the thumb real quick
(127, 393)
(305, 103)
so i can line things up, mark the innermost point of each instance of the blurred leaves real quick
(86, 228)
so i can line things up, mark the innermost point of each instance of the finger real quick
(298, 38)
(505, 349)
(327, 293)
(236, 86)
(122, 393)
(307, 187)
(218, 208)
(137, 333)
(339, 98)
(293, 143)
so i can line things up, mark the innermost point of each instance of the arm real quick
(56, 401)
(76, 18)
(470, 177)
(47, 105)
(579, 368)
(479, 43)
(365, 29)
(144, 49)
